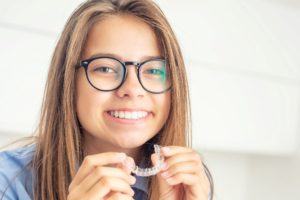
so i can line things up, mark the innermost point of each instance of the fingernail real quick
(122, 156)
(165, 149)
(132, 192)
(132, 180)
(129, 163)
(164, 166)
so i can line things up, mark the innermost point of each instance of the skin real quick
(127, 39)
(182, 176)
(113, 145)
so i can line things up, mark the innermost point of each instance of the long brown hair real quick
(59, 147)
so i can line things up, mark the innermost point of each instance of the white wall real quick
(260, 177)
(243, 63)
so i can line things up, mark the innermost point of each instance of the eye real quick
(104, 69)
(154, 71)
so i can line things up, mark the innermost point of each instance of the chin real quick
(130, 142)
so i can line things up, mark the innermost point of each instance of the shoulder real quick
(15, 174)
(16, 159)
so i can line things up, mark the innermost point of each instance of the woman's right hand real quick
(103, 177)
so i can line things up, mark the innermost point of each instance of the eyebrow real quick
(120, 58)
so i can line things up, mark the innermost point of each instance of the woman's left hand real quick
(182, 175)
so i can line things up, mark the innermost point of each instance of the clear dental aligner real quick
(152, 170)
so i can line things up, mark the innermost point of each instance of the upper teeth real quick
(129, 115)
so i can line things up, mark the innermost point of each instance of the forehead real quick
(126, 36)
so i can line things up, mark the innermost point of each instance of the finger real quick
(172, 150)
(186, 163)
(118, 196)
(192, 184)
(127, 165)
(107, 185)
(187, 179)
(163, 185)
(92, 161)
(196, 187)
(183, 157)
(183, 167)
(100, 172)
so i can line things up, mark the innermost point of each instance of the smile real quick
(128, 114)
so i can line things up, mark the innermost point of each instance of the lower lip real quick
(127, 121)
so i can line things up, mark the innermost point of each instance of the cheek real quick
(165, 105)
(81, 102)
(87, 99)
(82, 94)
(90, 102)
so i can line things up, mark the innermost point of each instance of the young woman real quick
(116, 86)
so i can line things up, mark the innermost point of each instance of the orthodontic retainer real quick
(152, 170)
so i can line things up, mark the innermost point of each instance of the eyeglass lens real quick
(108, 74)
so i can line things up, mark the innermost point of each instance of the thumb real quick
(127, 165)
(164, 187)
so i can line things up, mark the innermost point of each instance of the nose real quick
(131, 86)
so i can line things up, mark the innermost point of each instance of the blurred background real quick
(243, 62)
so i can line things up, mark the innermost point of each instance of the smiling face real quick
(125, 118)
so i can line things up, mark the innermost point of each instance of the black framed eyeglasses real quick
(108, 73)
